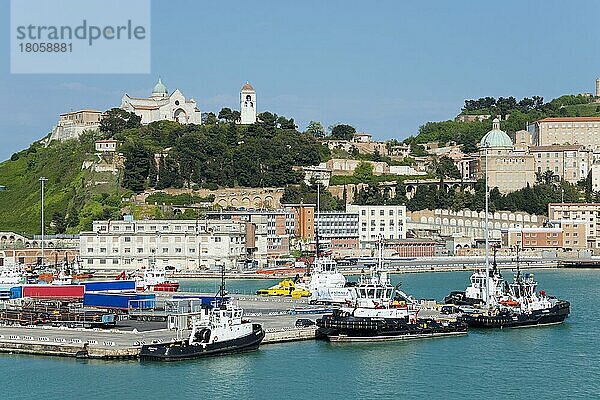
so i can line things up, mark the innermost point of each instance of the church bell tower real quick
(248, 104)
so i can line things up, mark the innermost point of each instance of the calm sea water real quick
(559, 362)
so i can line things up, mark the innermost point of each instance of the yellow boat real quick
(286, 288)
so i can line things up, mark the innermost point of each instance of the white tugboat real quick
(219, 330)
(382, 312)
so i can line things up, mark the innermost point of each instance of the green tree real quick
(116, 120)
(211, 119)
(364, 172)
(342, 132)
(137, 166)
(315, 129)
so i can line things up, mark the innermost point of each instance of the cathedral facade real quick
(163, 106)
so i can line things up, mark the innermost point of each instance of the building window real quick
(115, 260)
(140, 250)
(127, 239)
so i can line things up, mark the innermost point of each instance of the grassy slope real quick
(67, 184)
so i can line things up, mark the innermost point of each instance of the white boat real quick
(12, 275)
(327, 285)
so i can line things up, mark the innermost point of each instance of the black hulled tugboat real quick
(218, 330)
(519, 306)
(381, 312)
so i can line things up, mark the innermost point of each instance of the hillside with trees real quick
(515, 116)
(160, 155)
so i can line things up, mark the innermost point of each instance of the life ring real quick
(215, 339)
(230, 322)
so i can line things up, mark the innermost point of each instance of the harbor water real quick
(556, 362)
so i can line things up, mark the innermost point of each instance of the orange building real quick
(535, 238)
(304, 220)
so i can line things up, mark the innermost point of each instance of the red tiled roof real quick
(247, 86)
(570, 119)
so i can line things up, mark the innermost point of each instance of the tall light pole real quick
(487, 235)
(43, 181)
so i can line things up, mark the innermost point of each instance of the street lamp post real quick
(487, 235)
(43, 181)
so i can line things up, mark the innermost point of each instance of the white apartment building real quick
(373, 221)
(183, 244)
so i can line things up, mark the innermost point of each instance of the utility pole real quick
(43, 181)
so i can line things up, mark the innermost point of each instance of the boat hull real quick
(555, 315)
(362, 329)
(181, 350)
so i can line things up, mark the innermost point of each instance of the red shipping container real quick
(54, 291)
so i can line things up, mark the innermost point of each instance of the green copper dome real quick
(496, 137)
(159, 89)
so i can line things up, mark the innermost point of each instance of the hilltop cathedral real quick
(163, 106)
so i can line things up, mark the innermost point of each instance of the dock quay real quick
(277, 316)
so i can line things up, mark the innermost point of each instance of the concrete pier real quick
(277, 316)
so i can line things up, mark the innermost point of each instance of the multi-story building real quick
(588, 213)
(272, 230)
(566, 131)
(534, 238)
(574, 232)
(373, 221)
(304, 220)
(183, 244)
(569, 162)
(338, 229)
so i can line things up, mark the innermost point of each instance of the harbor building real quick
(574, 232)
(182, 244)
(247, 104)
(162, 106)
(72, 124)
(271, 230)
(569, 162)
(566, 131)
(338, 230)
(304, 220)
(588, 213)
(468, 225)
(533, 238)
(508, 169)
(373, 221)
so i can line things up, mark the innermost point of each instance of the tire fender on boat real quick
(230, 322)
(215, 339)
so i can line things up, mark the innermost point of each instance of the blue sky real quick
(385, 67)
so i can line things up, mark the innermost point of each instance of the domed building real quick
(508, 169)
(163, 106)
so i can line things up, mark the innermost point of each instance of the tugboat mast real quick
(317, 221)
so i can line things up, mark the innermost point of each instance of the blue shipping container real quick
(114, 285)
(16, 292)
(119, 300)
